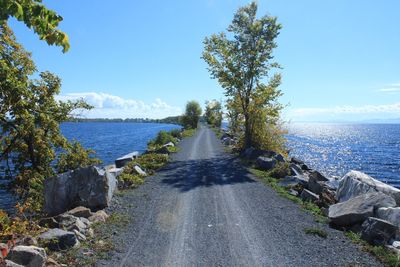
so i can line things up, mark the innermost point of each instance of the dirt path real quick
(205, 209)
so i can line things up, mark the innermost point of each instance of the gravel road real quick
(205, 209)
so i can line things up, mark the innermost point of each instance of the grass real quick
(316, 231)
(282, 191)
(383, 254)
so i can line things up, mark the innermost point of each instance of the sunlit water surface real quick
(335, 149)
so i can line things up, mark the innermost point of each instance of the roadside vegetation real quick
(213, 113)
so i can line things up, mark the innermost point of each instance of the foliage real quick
(213, 113)
(30, 117)
(162, 138)
(240, 64)
(177, 133)
(151, 161)
(316, 231)
(74, 157)
(192, 115)
(130, 179)
(36, 16)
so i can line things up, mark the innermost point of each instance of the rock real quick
(396, 244)
(79, 235)
(356, 183)
(309, 196)
(391, 215)
(122, 161)
(317, 176)
(317, 182)
(279, 158)
(358, 209)
(80, 212)
(52, 263)
(170, 144)
(293, 192)
(296, 161)
(58, 239)
(69, 223)
(139, 170)
(327, 198)
(304, 167)
(29, 256)
(99, 216)
(228, 141)
(90, 187)
(9, 263)
(295, 169)
(265, 164)
(377, 232)
(48, 222)
(252, 153)
(26, 241)
(293, 181)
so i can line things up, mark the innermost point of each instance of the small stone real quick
(52, 263)
(80, 212)
(11, 264)
(309, 196)
(99, 216)
(58, 239)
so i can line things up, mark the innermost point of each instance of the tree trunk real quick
(247, 132)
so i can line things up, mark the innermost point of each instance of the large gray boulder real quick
(266, 164)
(29, 256)
(58, 239)
(377, 231)
(358, 209)
(389, 214)
(291, 181)
(252, 153)
(91, 187)
(356, 183)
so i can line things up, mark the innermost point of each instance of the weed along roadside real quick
(367, 210)
(84, 234)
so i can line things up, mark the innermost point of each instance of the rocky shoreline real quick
(355, 202)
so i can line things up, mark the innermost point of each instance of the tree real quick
(36, 16)
(242, 63)
(192, 115)
(213, 113)
(31, 141)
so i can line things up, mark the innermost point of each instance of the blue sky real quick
(340, 58)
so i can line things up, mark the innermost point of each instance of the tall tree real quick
(192, 115)
(242, 62)
(36, 16)
(30, 118)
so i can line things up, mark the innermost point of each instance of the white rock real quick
(139, 171)
(356, 183)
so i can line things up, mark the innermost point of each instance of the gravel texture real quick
(206, 209)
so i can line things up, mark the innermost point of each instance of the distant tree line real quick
(169, 120)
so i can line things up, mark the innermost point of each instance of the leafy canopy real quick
(31, 142)
(241, 60)
(213, 113)
(192, 115)
(36, 16)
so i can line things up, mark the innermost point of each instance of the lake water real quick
(109, 140)
(335, 149)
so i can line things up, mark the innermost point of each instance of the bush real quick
(151, 162)
(162, 138)
(177, 133)
(130, 180)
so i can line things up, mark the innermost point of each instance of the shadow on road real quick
(223, 170)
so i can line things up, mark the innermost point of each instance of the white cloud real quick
(391, 88)
(345, 112)
(111, 106)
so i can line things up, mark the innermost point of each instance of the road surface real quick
(206, 209)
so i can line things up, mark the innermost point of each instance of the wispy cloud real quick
(345, 112)
(111, 106)
(391, 88)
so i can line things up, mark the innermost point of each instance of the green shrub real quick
(188, 133)
(316, 231)
(177, 133)
(130, 180)
(150, 162)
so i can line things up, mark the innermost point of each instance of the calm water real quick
(109, 140)
(335, 149)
